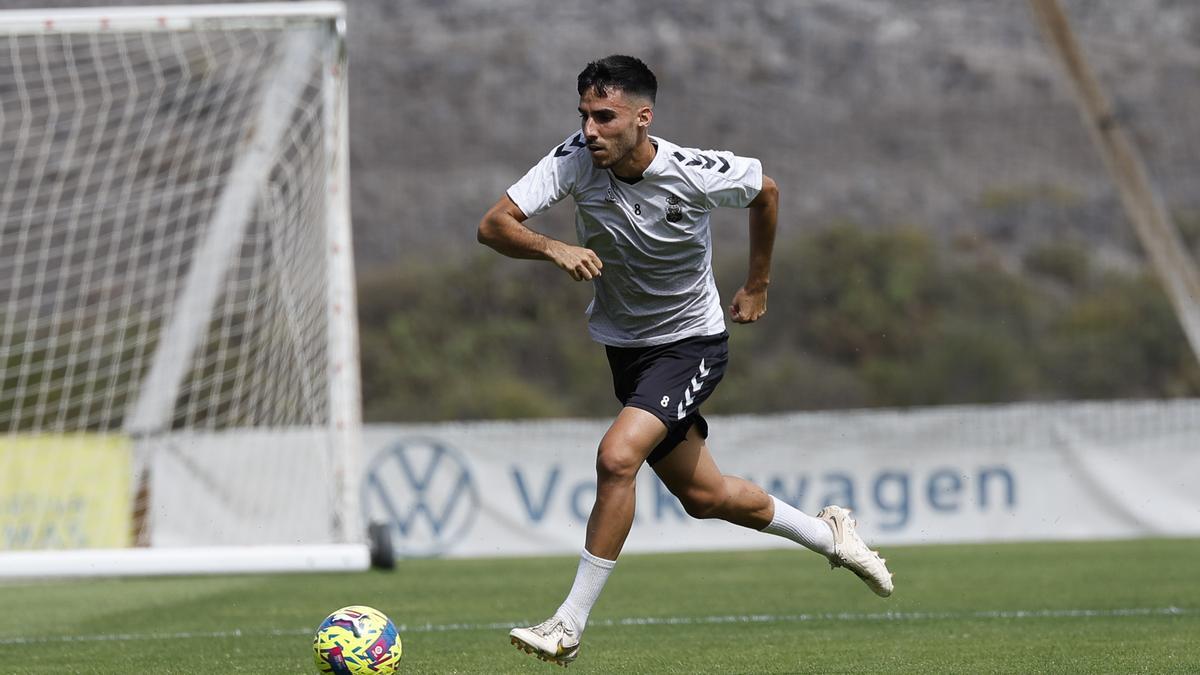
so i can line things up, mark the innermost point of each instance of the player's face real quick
(611, 125)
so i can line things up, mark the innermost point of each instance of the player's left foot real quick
(551, 640)
(851, 552)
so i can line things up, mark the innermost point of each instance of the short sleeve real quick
(738, 184)
(549, 180)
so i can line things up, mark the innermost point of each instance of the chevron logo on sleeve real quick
(705, 160)
(576, 142)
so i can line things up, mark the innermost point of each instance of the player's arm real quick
(503, 229)
(750, 302)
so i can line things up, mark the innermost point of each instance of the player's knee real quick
(614, 463)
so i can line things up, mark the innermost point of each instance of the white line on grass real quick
(638, 621)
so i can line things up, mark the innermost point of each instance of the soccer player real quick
(642, 219)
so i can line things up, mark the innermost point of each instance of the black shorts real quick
(670, 382)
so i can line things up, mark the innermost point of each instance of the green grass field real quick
(1107, 607)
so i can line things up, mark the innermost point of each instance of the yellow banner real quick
(65, 491)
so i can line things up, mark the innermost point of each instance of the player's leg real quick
(623, 450)
(620, 456)
(691, 474)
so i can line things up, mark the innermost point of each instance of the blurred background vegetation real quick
(858, 317)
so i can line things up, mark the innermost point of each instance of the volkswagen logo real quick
(422, 489)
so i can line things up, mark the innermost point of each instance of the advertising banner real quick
(65, 491)
(958, 474)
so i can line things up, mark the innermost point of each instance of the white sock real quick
(791, 523)
(589, 581)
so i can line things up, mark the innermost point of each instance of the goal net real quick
(178, 369)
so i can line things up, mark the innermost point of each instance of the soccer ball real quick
(357, 640)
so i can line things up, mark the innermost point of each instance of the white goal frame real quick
(151, 412)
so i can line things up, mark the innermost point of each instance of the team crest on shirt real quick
(610, 195)
(674, 210)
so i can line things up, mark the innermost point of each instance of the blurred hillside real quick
(947, 232)
(949, 115)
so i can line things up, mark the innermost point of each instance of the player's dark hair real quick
(626, 73)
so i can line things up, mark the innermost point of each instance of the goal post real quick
(179, 387)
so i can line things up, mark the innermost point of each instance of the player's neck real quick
(635, 163)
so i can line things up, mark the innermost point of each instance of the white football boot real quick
(551, 640)
(851, 552)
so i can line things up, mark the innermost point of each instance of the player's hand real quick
(581, 263)
(748, 306)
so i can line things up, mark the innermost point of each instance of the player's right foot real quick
(551, 640)
(851, 552)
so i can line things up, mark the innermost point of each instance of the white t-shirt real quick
(653, 236)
